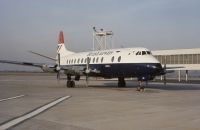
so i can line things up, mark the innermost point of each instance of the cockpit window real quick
(143, 52)
(148, 52)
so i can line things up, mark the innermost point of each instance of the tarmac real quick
(101, 106)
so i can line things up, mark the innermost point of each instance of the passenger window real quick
(101, 59)
(82, 60)
(139, 53)
(78, 60)
(93, 59)
(85, 60)
(112, 59)
(74, 61)
(119, 58)
(97, 59)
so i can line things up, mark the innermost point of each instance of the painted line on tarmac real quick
(5, 99)
(31, 114)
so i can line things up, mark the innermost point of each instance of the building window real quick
(112, 59)
(198, 58)
(195, 60)
(119, 58)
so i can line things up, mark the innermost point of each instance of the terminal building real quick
(186, 59)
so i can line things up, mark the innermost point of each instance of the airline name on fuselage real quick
(100, 53)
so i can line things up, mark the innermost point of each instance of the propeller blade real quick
(58, 68)
(87, 82)
(87, 71)
(165, 70)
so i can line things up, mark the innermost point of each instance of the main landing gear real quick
(121, 82)
(70, 83)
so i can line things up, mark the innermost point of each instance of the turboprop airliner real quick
(113, 63)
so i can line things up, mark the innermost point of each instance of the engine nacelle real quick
(48, 68)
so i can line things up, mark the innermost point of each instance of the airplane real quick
(111, 63)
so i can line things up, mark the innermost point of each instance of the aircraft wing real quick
(43, 66)
(21, 63)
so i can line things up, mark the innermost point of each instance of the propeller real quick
(165, 72)
(165, 80)
(87, 71)
(58, 68)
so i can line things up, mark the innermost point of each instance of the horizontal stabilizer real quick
(47, 57)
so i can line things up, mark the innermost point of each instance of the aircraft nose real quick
(157, 67)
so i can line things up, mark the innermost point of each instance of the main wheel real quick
(121, 83)
(68, 84)
(72, 84)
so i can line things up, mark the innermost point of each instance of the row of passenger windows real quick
(94, 60)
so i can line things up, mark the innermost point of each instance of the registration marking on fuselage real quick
(31, 114)
(5, 99)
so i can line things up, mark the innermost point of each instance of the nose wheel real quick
(140, 87)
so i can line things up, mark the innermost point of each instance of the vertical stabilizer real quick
(61, 49)
(61, 38)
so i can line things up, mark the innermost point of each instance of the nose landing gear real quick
(141, 87)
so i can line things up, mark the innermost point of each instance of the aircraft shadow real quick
(153, 85)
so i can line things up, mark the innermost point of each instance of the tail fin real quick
(62, 52)
(61, 46)
(61, 38)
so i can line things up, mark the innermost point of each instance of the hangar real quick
(189, 59)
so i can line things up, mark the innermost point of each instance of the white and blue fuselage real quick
(126, 62)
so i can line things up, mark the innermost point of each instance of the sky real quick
(154, 24)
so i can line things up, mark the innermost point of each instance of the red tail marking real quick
(61, 38)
